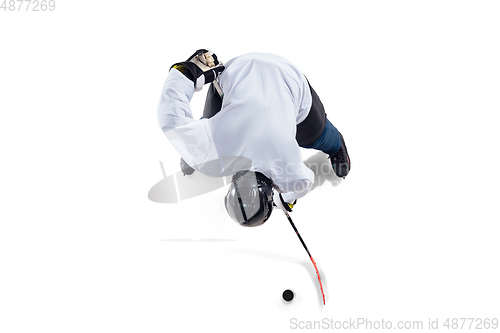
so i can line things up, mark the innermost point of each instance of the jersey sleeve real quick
(290, 197)
(191, 138)
(294, 181)
(173, 109)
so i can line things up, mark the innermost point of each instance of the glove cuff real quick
(196, 74)
(190, 70)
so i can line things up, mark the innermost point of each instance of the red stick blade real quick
(319, 279)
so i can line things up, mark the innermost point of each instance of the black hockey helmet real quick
(249, 200)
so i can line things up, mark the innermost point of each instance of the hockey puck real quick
(288, 295)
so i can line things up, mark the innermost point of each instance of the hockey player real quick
(260, 109)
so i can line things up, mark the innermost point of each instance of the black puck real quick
(288, 295)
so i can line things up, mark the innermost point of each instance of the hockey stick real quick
(305, 247)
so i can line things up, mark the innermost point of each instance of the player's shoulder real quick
(258, 57)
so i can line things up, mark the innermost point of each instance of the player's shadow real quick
(321, 166)
(177, 187)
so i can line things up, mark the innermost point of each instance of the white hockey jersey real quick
(265, 97)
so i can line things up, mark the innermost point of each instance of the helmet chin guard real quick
(249, 200)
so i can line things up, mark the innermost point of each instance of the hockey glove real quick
(279, 202)
(201, 68)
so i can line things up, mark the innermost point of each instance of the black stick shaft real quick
(307, 250)
(297, 232)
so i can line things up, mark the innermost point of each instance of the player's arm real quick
(292, 191)
(182, 81)
(191, 138)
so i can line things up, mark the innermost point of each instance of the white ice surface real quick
(411, 234)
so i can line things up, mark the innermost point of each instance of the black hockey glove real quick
(201, 68)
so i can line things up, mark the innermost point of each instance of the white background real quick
(411, 234)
